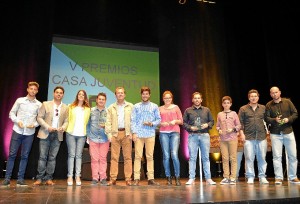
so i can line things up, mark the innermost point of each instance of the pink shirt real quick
(169, 114)
(227, 121)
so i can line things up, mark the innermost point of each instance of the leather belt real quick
(121, 129)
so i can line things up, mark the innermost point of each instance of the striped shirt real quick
(145, 112)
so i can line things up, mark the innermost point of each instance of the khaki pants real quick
(121, 141)
(229, 152)
(149, 150)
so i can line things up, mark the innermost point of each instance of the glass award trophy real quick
(197, 122)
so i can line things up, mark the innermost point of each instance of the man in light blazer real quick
(53, 119)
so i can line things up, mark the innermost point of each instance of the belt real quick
(121, 129)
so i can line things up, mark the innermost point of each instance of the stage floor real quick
(197, 193)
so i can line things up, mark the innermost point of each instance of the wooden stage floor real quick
(197, 193)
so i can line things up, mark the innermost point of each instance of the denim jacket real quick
(94, 132)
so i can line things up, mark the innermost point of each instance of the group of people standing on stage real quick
(116, 126)
(252, 124)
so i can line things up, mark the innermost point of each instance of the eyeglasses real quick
(56, 110)
(168, 98)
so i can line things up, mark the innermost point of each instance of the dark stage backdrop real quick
(218, 49)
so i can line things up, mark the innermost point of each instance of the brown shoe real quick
(128, 183)
(37, 182)
(151, 182)
(112, 182)
(295, 180)
(136, 182)
(177, 180)
(49, 182)
(278, 181)
(169, 181)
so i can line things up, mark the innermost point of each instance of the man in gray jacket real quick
(53, 119)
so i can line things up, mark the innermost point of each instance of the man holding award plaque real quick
(197, 121)
(280, 115)
(23, 114)
(53, 118)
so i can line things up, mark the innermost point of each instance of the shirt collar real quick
(194, 107)
(99, 109)
(34, 100)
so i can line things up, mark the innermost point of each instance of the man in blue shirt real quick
(145, 118)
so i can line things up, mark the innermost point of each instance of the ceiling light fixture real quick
(204, 1)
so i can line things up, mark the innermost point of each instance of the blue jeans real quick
(288, 140)
(17, 140)
(201, 141)
(239, 161)
(75, 148)
(169, 145)
(256, 148)
(48, 151)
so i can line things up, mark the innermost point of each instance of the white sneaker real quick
(250, 180)
(210, 182)
(78, 181)
(232, 182)
(263, 181)
(225, 181)
(70, 181)
(190, 182)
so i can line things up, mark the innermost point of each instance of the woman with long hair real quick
(79, 113)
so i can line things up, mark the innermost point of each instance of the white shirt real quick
(79, 122)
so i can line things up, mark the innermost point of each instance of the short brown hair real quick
(145, 88)
(253, 91)
(226, 98)
(59, 87)
(101, 94)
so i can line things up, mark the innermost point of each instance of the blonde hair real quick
(168, 92)
(33, 83)
(196, 93)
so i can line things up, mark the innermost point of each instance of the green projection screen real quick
(97, 66)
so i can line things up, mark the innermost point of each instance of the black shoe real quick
(151, 182)
(103, 182)
(21, 183)
(136, 182)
